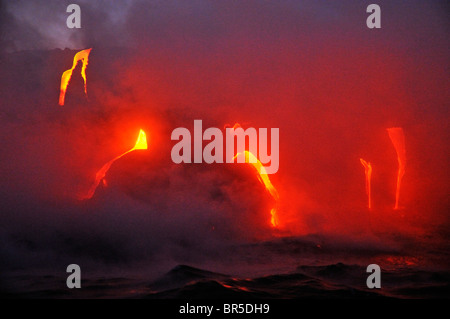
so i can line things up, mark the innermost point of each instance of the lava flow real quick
(398, 140)
(141, 144)
(368, 174)
(264, 179)
(65, 78)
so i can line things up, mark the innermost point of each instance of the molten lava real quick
(264, 179)
(398, 140)
(235, 126)
(141, 144)
(66, 76)
(368, 174)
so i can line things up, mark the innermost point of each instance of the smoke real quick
(41, 25)
(312, 69)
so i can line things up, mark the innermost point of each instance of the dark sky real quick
(312, 69)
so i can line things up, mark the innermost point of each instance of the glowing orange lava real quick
(368, 174)
(398, 140)
(264, 179)
(65, 78)
(235, 126)
(141, 144)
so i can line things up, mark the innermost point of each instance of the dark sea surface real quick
(304, 267)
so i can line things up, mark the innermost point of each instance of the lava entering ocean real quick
(398, 140)
(66, 76)
(368, 174)
(264, 179)
(141, 144)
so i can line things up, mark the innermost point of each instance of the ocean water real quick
(289, 268)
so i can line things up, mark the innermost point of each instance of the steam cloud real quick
(312, 69)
